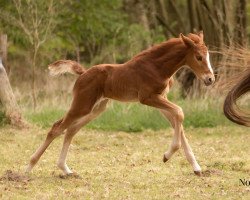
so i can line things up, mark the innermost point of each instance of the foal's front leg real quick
(178, 129)
(186, 147)
(175, 115)
(190, 155)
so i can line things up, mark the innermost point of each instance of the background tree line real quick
(95, 31)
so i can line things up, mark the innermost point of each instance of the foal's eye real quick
(199, 58)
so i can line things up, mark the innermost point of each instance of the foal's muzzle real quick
(209, 80)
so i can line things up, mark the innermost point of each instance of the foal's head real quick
(197, 57)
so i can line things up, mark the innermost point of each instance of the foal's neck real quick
(167, 57)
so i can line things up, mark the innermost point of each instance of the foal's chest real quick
(158, 86)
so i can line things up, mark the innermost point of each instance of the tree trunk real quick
(3, 50)
(7, 97)
(33, 83)
(162, 17)
(192, 15)
(8, 100)
(240, 30)
(78, 55)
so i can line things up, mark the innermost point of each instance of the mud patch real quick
(69, 176)
(9, 175)
(211, 172)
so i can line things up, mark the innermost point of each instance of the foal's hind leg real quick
(56, 130)
(72, 130)
(74, 114)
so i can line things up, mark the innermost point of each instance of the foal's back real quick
(114, 81)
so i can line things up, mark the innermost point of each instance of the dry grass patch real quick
(119, 165)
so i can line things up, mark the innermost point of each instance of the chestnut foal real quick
(146, 78)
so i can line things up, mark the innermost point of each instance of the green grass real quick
(135, 117)
(3, 119)
(120, 165)
(44, 117)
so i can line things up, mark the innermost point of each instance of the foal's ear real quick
(201, 35)
(187, 41)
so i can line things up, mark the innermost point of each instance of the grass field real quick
(119, 155)
(134, 117)
(120, 165)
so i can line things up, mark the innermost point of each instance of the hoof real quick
(164, 159)
(70, 175)
(197, 173)
(74, 175)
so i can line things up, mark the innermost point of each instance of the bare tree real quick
(36, 20)
(240, 33)
(3, 50)
(7, 97)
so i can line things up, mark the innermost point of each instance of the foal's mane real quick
(195, 38)
(169, 47)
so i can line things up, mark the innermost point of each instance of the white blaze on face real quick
(208, 63)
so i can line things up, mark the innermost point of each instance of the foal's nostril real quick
(209, 81)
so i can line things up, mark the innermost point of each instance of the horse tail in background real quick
(66, 66)
(231, 110)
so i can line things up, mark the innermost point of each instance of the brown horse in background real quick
(146, 78)
(231, 111)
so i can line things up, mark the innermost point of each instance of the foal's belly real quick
(121, 84)
(121, 91)
(124, 95)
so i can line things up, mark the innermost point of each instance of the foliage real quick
(35, 20)
(32, 20)
(94, 31)
(87, 31)
(90, 25)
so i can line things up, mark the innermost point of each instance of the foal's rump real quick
(231, 110)
(88, 88)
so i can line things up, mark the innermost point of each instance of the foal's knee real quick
(176, 147)
(52, 134)
(55, 130)
(179, 114)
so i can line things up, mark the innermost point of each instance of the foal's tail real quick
(231, 111)
(66, 66)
